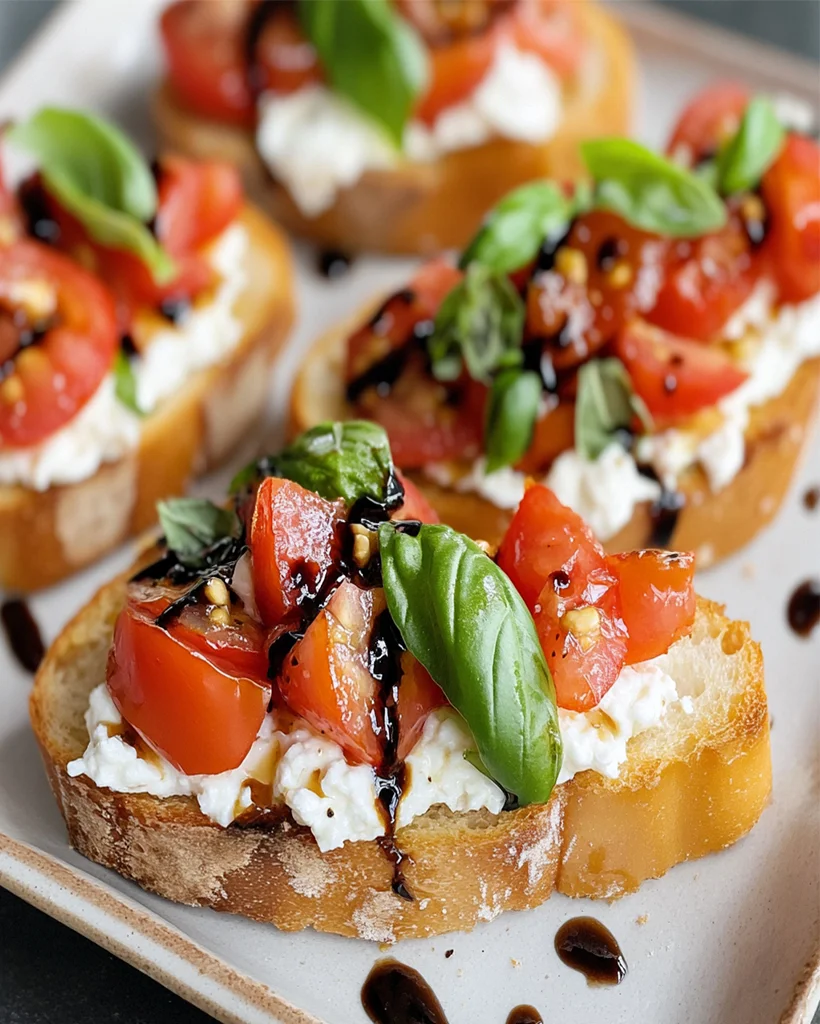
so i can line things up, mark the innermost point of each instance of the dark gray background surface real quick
(49, 974)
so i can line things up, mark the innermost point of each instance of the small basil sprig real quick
(651, 192)
(741, 163)
(606, 403)
(479, 324)
(125, 383)
(371, 55)
(95, 172)
(515, 229)
(192, 525)
(511, 415)
(347, 460)
(460, 615)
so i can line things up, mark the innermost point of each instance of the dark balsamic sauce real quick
(803, 611)
(175, 308)
(396, 994)
(811, 499)
(525, 1015)
(664, 512)
(333, 264)
(384, 373)
(585, 945)
(40, 223)
(23, 633)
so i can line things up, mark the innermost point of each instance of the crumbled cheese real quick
(317, 142)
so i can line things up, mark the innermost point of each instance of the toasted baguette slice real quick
(713, 525)
(46, 535)
(426, 207)
(693, 785)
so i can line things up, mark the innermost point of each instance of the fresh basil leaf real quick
(755, 146)
(95, 172)
(460, 615)
(192, 525)
(347, 460)
(479, 324)
(511, 416)
(606, 403)
(515, 229)
(651, 192)
(125, 383)
(371, 55)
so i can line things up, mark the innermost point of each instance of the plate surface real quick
(732, 937)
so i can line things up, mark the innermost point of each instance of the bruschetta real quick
(316, 706)
(391, 126)
(140, 310)
(648, 346)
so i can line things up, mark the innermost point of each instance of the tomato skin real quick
(791, 192)
(455, 70)
(285, 60)
(415, 506)
(200, 718)
(552, 30)
(53, 378)
(293, 542)
(418, 696)
(197, 200)
(204, 50)
(658, 599)
(705, 281)
(554, 433)
(709, 119)
(674, 376)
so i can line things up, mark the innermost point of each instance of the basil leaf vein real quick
(371, 55)
(606, 403)
(462, 618)
(192, 525)
(742, 162)
(651, 192)
(511, 416)
(479, 324)
(95, 172)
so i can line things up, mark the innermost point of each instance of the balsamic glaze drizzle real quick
(333, 263)
(803, 612)
(384, 373)
(664, 512)
(525, 1015)
(40, 224)
(23, 633)
(585, 945)
(396, 994)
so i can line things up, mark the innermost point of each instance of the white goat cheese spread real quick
(308, 772)
(317, 142)
(104, 429)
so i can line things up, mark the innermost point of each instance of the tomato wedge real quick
(675, 377)
(711, 118)
(51, 362)
(554, 433)
(294, 543)
(415, 506)
(552, 30)
(657, 599)
(284, 61)
(201, 715)
(791, 191)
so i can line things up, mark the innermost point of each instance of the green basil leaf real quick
(466, 623)
(95, 172)
(755, 146)
(192, 525)
(479, 324)
(125, 383)
(347, 460)
(606, 403)
(371, 55)
(651, 192)
(511, 416)
(515, 229)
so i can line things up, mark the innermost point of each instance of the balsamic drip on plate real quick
(803, 611)
(811, 499)
(23, 633)
(333, 263)
(585, 945)
(525, 1015)
(396, 994)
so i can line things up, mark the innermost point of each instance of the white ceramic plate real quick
(731, 938)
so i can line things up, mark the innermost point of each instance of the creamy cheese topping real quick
(336, 800)
(104, 429)
(316, 142)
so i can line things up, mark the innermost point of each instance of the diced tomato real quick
(284, 60)
(184, 693)
(552, 30)
(705, 281)
(418, 696)
(791, 191)
(294, 544)
(675, 377)
(657, 599)
(456, 68)
(50, 364)
(554, 433)
(204, 48)
(711, 118)
(603, 273)
(415, 506)
(197, 200)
